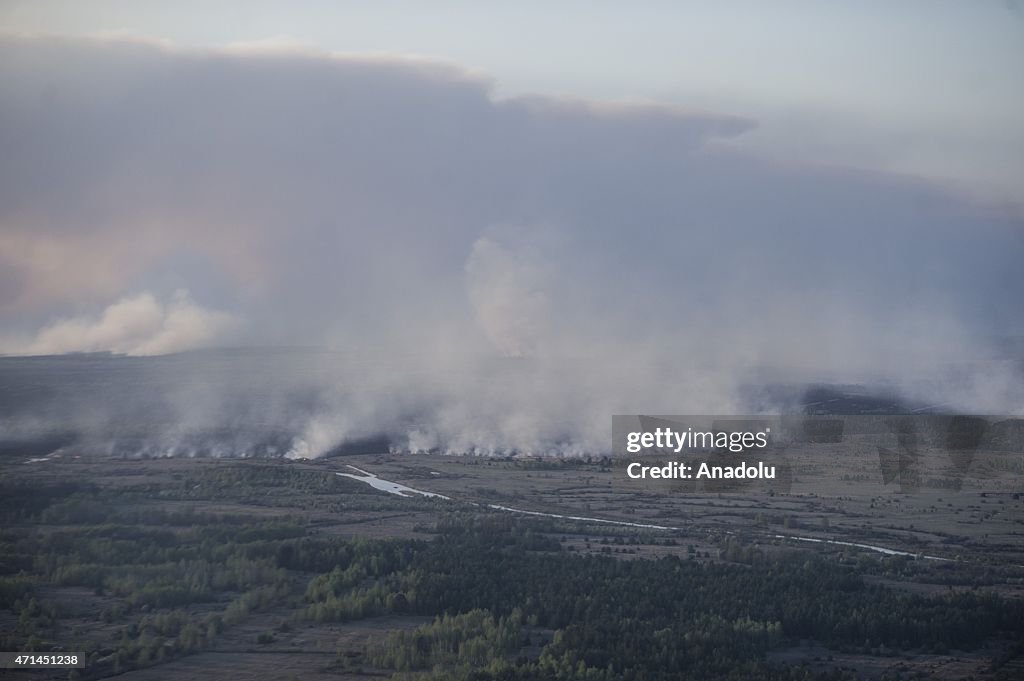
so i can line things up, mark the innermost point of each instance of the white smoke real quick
(351, 203)
(508, 294)
(135, 325)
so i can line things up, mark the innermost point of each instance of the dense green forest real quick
(501, 597)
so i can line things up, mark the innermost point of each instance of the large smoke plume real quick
(492, 275)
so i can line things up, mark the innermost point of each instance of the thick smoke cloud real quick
(496, 275)
(508, 297)
(137, 325)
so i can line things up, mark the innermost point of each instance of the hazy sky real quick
(930, 87)
(652, 203)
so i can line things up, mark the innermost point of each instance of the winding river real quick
(406, 491)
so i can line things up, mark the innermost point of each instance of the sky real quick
(644, 204)
(936, 83)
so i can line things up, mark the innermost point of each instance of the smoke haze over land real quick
(492, 274)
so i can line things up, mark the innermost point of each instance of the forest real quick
(499, 596)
